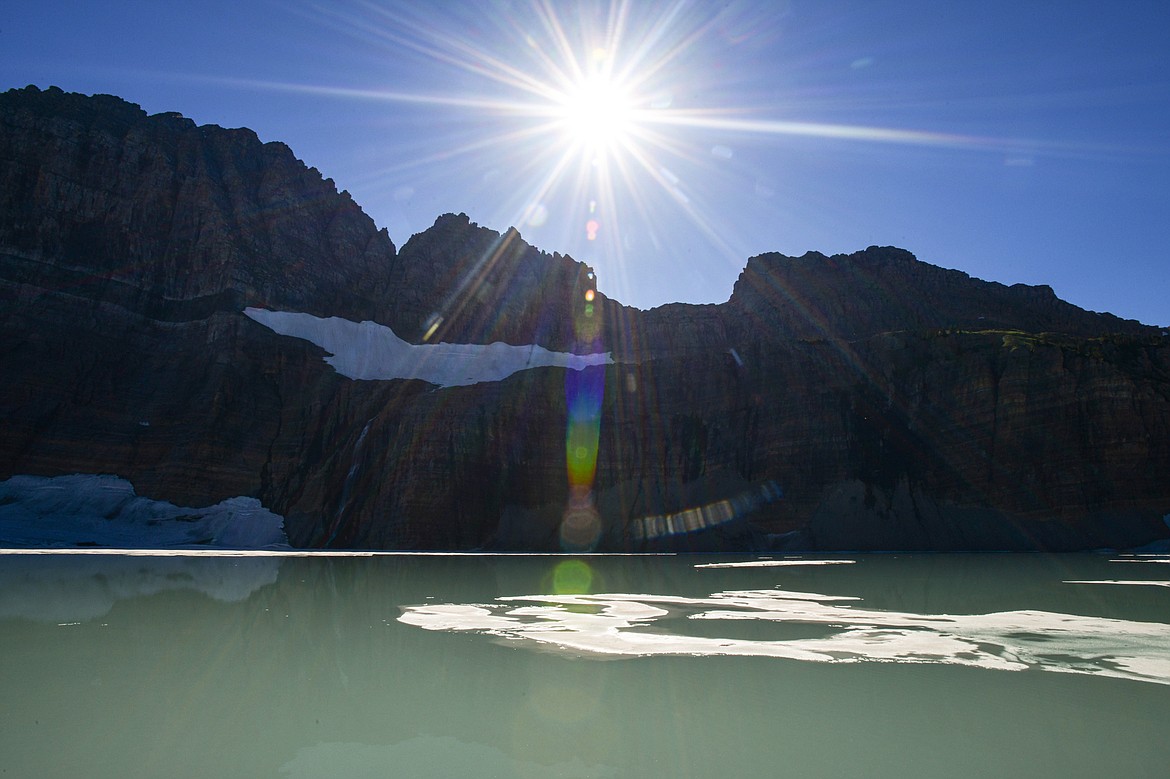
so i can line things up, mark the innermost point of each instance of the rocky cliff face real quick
(852, 402)
(175, 221)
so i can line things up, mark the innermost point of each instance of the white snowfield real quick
(368, 350)
(104, 511)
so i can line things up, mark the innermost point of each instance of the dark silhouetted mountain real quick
(862, 401)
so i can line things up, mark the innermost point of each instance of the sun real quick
(577, 110)
(596, 114)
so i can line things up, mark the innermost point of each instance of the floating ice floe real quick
(1131, 582)
(640, 625)
(104, 511)
(1154, 558)
(368, 350)
(775, 563)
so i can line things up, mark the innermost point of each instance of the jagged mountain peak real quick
(869, 255)
(886, 288)
(55, 101)
(163, 210)
(114, 114)
(481, 286)
(452, 228)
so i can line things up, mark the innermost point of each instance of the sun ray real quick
(476, 59)
(831, 131)
(588, 110)
(552, 177)
(503, 107)
(451, 152)
(569, 60)
(687, 205)
(641, 67)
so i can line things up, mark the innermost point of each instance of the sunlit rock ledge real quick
(368, 350)
(105, 511)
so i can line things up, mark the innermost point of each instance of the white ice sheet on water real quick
(367, 350)
(641, 625)
(795, 562)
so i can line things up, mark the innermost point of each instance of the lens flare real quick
(581, 525)
(583, 391)
(536, 215)
(580, 529)
(572, 577)
(705, 517)
(432, 324)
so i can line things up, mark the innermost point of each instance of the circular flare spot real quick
(580, 531)
(572, 577)
(536, 215)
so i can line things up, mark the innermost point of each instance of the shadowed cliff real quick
(862, 401)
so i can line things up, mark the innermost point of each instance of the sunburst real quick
(576, 101)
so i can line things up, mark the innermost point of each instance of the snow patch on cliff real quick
(368, 350)
(104, 511)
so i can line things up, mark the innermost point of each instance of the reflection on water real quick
(85, 587)
(221, 665)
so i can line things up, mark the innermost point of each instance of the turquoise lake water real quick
(187, 664)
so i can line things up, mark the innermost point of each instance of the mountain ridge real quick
(867, 400)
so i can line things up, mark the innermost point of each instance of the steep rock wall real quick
(859, 401)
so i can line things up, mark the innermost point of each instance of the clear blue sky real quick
(1016, 141)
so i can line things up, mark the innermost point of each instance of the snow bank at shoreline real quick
(105, 511)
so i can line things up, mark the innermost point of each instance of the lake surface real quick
(604, 666)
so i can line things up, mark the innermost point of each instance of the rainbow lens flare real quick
(581, 524)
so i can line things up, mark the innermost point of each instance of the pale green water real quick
(453, 666)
